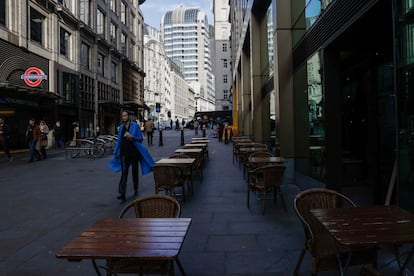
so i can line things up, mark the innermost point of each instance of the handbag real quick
(37, 146)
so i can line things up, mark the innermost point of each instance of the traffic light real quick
(158, 107)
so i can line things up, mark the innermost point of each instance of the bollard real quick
(182, 137)
(161, 142)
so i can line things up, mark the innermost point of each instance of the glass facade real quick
(36, 25)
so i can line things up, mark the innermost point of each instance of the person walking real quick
(196, 126)
(4, 138)
(129, 151)
(149, 129)
(31, 142)
(37, 138)
(177, 125)
(44, 130)
(57, 133)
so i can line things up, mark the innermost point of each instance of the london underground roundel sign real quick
(33, 76)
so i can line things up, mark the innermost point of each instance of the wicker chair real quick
(167, 178)
(318, 241)
(247, 166)
(150, 206)
(266, 179)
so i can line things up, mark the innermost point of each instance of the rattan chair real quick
(266, 179)
(247, 166)
(168, 178)
(150, 206)
(318, 241)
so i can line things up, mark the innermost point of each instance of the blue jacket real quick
(146, 160)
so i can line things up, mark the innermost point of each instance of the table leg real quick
(342, 267)
(180, 266)
(96, 267)
(407, 260)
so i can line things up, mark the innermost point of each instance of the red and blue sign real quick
(33, 76)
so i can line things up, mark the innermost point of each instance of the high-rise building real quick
(222, 54)
(185, 32)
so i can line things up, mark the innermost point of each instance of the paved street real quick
(46, 204)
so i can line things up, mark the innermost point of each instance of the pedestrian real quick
(4, 138)
(37, 138)
(177, 124)
(129, 151)
(57, 133)
(44, 131)
(97, 131)
(196, 126)
(149, 129)
(183, 123)
(171, 123)
(31, 142)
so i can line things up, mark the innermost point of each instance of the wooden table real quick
(197, 150)
(200, 141)
(185, 163)
(141, 239)
(266, 160)
(369, 226)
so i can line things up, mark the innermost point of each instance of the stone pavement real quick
(45, 204)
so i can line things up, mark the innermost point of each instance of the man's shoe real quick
(121, 197)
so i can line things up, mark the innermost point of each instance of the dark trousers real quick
(149, 138)
(4, 146)
(34, 153)
(126, 162)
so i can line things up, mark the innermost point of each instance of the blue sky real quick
(153, 10)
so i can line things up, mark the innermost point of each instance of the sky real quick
(153, 10)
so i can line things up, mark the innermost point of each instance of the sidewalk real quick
(46, 204)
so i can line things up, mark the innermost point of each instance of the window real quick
(66, 3)
(112, 5)
(224, 14)
(113, 32)
(84, 11)
(84, 55)
(224, 63)
(36, 25)
(123, 43)
(225, 94)
(224, 47)
(64, 42)
(113, 71)
(101, 65)
(2, 12)
(123, 13)
(224, 78)
(100, 22)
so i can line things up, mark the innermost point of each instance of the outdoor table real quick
(196, 150)
(369, 226)
(200, 141)
(266, 160)
(186, 163)
(141, 239)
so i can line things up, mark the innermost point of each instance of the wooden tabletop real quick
(188, 150)
(176, 161)
(264, 159)
(367, 226)
(133, 238)
(197, 145)
(250, 149)
(200, 141)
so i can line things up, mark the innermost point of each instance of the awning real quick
(26, 93)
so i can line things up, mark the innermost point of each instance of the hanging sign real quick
(33, 76)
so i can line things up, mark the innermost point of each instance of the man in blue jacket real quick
(129, 151)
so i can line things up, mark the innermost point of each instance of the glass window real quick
(123, 12)
(225, 63)
(407, 6)
(84, 11)
(101, 64)
(113, 71)
(36, 25)
(84, 55)
(113, 32)
(225, 79)
(315, 96)
(64, 42)
(408, 46)
(123, 43)
(224, 14)
(224, 47)
(225, 94)
(112, 5)
(100, 22)
(2, 12)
